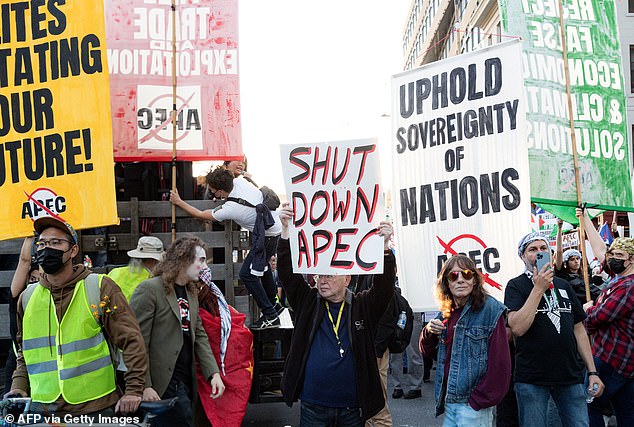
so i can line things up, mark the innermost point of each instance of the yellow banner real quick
(55, 124)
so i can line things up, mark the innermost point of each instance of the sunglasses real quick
(466, 274)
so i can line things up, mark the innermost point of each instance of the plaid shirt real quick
(610, 323)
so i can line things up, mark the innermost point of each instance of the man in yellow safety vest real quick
(68, 327)
(149, 251)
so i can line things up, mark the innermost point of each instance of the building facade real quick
(438, 29)
(625, 19)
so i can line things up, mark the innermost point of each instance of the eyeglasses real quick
(466, 274)
(54, 243)
(326, 277)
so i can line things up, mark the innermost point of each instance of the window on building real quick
(630, 6)
(632, 68)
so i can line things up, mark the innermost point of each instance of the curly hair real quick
(179, 255)
(443, 294)
(220, 179)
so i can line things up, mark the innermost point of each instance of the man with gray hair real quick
(552, 346)
(149, 252)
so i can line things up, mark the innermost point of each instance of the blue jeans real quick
(461, 414)
(532, 404)
(322, 416)
(264, 291)
(619, 391)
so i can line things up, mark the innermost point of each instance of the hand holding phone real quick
(542, 259)
(544, 280)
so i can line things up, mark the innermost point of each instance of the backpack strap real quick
(92, 284)
(240, 201)
(26, 295)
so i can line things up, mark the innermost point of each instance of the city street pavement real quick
(405, 413)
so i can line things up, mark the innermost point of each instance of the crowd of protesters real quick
(160, 328)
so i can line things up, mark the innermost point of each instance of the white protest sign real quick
(335, 191)
(460, 169)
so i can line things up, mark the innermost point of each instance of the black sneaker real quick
(264, 323)
(279, 308)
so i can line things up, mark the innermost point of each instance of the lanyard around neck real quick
(335, 326)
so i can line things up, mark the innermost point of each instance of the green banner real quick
(598, 98)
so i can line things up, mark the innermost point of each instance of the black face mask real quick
(51, 260)
(617, 266)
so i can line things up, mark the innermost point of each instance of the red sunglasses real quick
(466, 274)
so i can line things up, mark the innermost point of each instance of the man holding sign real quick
(331, 365)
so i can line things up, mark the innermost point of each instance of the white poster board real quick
(338, 201)
(460, 169)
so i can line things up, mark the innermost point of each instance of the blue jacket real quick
(469, 353)
(263, 221)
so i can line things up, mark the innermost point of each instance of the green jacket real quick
(159, 318)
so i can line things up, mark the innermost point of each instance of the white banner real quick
(460, 169)
(338, 201)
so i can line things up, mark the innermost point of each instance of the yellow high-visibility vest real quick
(69, 358)
(128, 280)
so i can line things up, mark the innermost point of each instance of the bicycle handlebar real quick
(21, 405)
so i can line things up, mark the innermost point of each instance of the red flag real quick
(228, 410)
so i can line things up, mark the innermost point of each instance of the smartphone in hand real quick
(542, 259)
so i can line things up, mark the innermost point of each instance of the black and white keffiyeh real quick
(225, 314)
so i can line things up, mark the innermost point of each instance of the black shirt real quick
(13, 317)
(576, 282)
(547, 353)
(183, 368)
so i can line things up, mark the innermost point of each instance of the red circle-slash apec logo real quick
(486, 258)
(43, 202)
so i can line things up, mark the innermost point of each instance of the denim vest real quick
(469, 353)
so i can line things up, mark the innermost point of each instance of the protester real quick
(231, 343)
(331, 364)
(167, 310)
(56, 317)
(384, 331)
(26, 272)
(597, 244)
(610, 323)
(265, 225)
(412, 382)
(469, 337)
(408, 384)
(552, 346)
(237, 169)
(568, 266)
(281, 295)
(149, 251)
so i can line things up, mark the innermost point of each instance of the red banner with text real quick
(139, 41)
